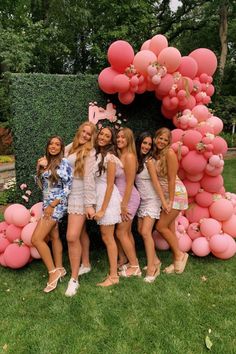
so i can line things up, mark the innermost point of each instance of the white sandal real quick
(136, 273)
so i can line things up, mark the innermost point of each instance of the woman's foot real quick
(152, 278)
(180, 265)
(63, 271)
(54, 276)
(72, 288)
(170, 269)
(109, 281)
(122, 262)
(130, 271)
(84, 269)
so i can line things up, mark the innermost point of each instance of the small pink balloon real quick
(126, 98)
(206, 61)
(200, 247)
(34, 253)
(195, 213)
(229, 226)
(176, 135)
(3, 243)
(37, 211)
(219, 145)
(182, 220)
(170, 57)
(159, 241)
(146, 45)
(209, 227)
(158, 43)
(21, 216)
(194, 230)
(120, 54)
(185, 243)
(222, 209)
(204, 199)
(27, 232)
(13, 233)
(219, 243)
(16, 255)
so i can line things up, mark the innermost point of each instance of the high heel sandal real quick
(180, 265)
(152, 278)
(109, 281)
(170, 269)
(51, 286)
(62, 271)
(135, 273)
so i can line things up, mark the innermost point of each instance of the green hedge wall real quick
(44, 105)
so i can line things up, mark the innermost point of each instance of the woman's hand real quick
(125, 214)
(42, 162)
(99, 214)
(90, 212)
(47, 214)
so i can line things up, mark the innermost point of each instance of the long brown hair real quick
(110, 148)
(161, 154)
(53, 162)
(82, 150)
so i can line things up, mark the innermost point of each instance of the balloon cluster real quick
(16, 232)
(184, 85)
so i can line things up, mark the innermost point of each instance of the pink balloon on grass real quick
(194, 230)
(158, 43)
(159, 241)
(27, 232)
(105, 80)
(34, 253)
(120, 55)
(188, 67)
(209, 227)
(16, 255)
(195, 213)
(170, 57)
(219, 243)
(229, 226)
(222, 209)
(206, 61)
(2, 261)
(3, 243)
(143, 59)
(200, 247)
(13, 233)
(185, 243)
(230, 250)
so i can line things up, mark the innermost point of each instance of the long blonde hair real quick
(82, 150)
(129, 136)
(161, 154)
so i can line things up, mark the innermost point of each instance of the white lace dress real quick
(150, 204)
(112, 214)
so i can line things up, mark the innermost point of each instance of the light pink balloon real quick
(215, 172)
(16, 256)
(219, 145)
(176, 135)
(34, 253)
(193, 163)
(120, 55)
(201, 112)
(191, 138)
(3, 243)
(105, 80)
(3, 227)
(212, 184)
(200, 247)
(170, 57)
(37, 211)
(192, 187)
(206, 61)
(195, 213)
(209, 227)
(9, 212)
(145, 45)
(229, 252)
(185, 243)
(210, 90)
(204, 128)
(219, 243)
(126, 98)
(188, 67)
(13, 233)
(27, 232)
(121, 83)
(229, 226)
(21, 216)
(222, 209)
(194, 230)
(143, 59)
(159, 241)
(158, 43)
(204, 199)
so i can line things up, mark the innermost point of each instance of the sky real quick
(174, 4)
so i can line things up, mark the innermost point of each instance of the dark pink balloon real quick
(126, 98)
(120, 55)
(105, 80)
(195, 213)
(13, 233)
(212, 184)
(16, 255)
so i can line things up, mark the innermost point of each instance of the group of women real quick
(105, 176)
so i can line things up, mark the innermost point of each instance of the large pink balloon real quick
(9, 212)
(165, 85)
(145, 45)
(16, 256)
(188, 67)
(201, 112)
(27, 232)
(206, 60)
(13, 233)
(209, 227)
(170, 57)
(222, 209)
(212, 184)
(195, 213)
(120, 55)
(193, 163)
(229, 226)
(229, 252)
(200, 247)
(191, 138)
(216, 123)
(21, 216)
(105, 80)
(143, 59)
(158, 43)
(219, 243)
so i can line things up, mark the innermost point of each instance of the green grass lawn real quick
(172, 316)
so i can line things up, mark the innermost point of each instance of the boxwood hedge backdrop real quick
(44, 105)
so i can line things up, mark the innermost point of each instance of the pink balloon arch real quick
(184, 85)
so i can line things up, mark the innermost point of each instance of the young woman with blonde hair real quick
(176, 194)
(79, 153)
(130, 200)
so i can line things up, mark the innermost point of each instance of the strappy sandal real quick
(62, 271)
(170, 269)
(180, 265)
(109, 281)
(51, 286)
(135, 273)
(152, 278)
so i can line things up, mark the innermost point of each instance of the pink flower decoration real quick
(23, 186)
(25, 198)
(28, 192)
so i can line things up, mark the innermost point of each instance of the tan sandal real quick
(152, 278)
(170, 269)
(136, 271)
(51, 286)
(109, 281)
(62, 271)
(180, 265)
